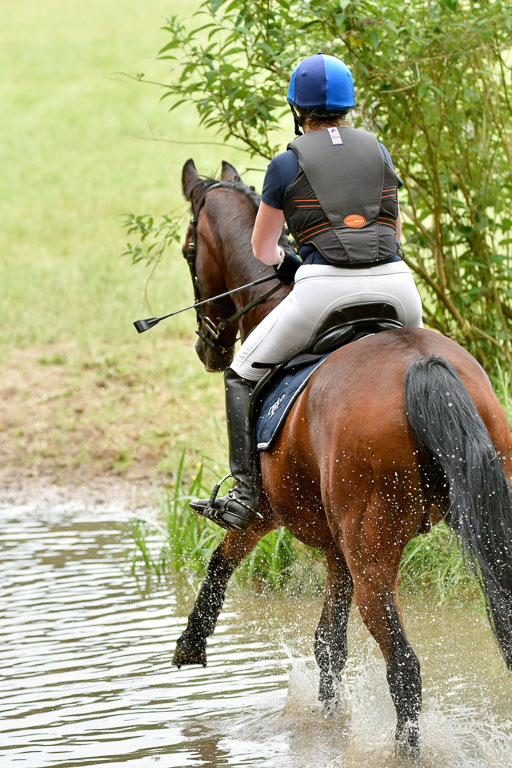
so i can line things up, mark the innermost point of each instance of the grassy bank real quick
(82, 394)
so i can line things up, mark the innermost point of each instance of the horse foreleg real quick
(331, 634)
(234, 547)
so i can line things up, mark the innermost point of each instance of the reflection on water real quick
(86, 677)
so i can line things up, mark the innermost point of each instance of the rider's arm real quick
(399, 226)
(266, 233)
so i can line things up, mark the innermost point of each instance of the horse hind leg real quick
(373, 544)
(234, 547)
(378, 605)
(331, 634)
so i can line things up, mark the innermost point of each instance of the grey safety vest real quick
(344, 199)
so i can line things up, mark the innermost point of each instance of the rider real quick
(336, 188)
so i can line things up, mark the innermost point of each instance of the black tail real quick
(447, 426)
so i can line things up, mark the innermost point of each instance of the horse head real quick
(218, 250)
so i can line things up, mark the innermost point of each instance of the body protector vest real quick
(344, 199)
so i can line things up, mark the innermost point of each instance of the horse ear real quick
(189, 175)
(229, 172)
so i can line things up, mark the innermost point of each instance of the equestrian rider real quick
(336, 188)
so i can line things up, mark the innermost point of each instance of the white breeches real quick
(292, 325)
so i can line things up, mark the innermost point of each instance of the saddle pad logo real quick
(354, 221)
(274, 407)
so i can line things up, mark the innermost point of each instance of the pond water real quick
(86, 676)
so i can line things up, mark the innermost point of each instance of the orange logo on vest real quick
(354, 221)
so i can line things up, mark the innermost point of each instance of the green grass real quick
(77, 153)
(432, 564)
(83, 145)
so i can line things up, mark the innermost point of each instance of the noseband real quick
(209, 330)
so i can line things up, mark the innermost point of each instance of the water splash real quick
(456, 730)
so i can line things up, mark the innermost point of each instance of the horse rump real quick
(448, 428)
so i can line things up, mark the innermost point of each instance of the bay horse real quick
(391, 434)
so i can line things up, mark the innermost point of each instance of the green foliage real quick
(433, 564)
(271, 561)
(503, 388)
(189, 541)
(185, 542)
(153, 238)
(433, 81)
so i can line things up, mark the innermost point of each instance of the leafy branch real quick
(152, 238)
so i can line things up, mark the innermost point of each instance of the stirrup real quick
(203, 508)
(216, 489)
(217, 510)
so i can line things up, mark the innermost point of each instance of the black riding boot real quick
(238, 509)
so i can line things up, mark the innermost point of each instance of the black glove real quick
(288, 267)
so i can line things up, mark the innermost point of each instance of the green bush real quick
(433, 81)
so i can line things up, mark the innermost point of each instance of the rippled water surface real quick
(86, 676)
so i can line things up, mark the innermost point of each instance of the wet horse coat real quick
(360, 468)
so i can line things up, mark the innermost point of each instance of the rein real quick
(209, 330)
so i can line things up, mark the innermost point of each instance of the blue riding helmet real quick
(321, 82)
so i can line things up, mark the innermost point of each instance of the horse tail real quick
(448, 428)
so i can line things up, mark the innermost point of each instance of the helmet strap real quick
(296, 121)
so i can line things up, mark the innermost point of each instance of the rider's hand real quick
(287, 267)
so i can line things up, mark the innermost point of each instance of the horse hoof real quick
(407, 745)
(189, 652)
(331, 708)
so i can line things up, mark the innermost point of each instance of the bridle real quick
(209, 330)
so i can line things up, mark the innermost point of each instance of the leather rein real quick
(210, 330)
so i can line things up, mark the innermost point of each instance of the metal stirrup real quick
(216, 489)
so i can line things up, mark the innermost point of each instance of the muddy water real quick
(86, 678)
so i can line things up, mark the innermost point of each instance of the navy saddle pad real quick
(274, 401)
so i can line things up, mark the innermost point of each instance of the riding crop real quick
(145, 325)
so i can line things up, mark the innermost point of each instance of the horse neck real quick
(231, 217)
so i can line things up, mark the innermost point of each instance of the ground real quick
(69, 419)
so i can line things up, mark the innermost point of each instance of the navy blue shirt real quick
(281, 172)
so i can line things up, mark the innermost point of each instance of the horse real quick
(391, 434)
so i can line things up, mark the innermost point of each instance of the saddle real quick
(345, 324)
(276, 392)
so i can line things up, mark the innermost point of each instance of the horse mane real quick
(203, 183)
(194, 192)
